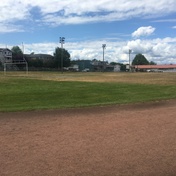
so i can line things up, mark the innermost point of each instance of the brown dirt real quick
(126, 140)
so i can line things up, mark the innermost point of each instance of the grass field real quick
(52, 90)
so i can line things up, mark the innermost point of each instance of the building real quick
(117, 68)
(5, 55)
(43, 57)
(155, 68)
(96, 66)
(8, 62)
(82, 65)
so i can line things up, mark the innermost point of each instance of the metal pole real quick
(62, 58)
(23, 49)
(62, 40)
(4, 68)
(129, 61)
(103, 46)
(27, 70)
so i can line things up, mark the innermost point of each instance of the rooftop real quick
(156, 66)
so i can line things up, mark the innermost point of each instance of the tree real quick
(17, 53)
(140, 60)
(113, 63)
(58, 57)
(152, 63)
(38, 63)
(122, 67)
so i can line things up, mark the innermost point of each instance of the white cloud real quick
(161, 51)
(143, 31)
(12, 11)
(174, 27)
(8, 28)
(164, 20)
(158, 50)
(54, 12)
(47, 48)
(79, 12)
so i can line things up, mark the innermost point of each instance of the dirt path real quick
(126, 140)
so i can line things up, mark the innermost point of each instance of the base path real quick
(122, 140)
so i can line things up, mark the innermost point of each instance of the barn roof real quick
(2, 49)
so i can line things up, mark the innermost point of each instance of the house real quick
(43, 57)
(155, 68)
(97, 65)
(100, 66)
(5, 55)
(7, 61)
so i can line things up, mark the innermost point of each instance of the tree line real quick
(61, 57)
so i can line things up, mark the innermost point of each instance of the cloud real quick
(174, 27)
(143, 31)
(9, 28)
(158, 50)
(161, 51)
(164, 20)
(13, 11)
(54, 12)
(79, 12)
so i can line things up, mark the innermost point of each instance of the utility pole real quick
(62, 41)
(129, 61)
(103, 46)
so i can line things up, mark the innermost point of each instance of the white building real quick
(116, 68)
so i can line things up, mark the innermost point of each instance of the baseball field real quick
(97, 124)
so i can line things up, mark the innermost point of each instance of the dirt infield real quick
(126, 140)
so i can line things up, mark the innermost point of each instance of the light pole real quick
(62, 41)
(24, 60)
(129, 60)
(103, 46)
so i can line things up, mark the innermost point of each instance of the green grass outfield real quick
(46, 90)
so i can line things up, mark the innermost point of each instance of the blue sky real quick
(144, 26)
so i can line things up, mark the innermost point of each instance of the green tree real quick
(113, 63)
(38, 63)
(17, 53)
(122, 67)
(58, 57)
(152, 63)
(140, 60)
